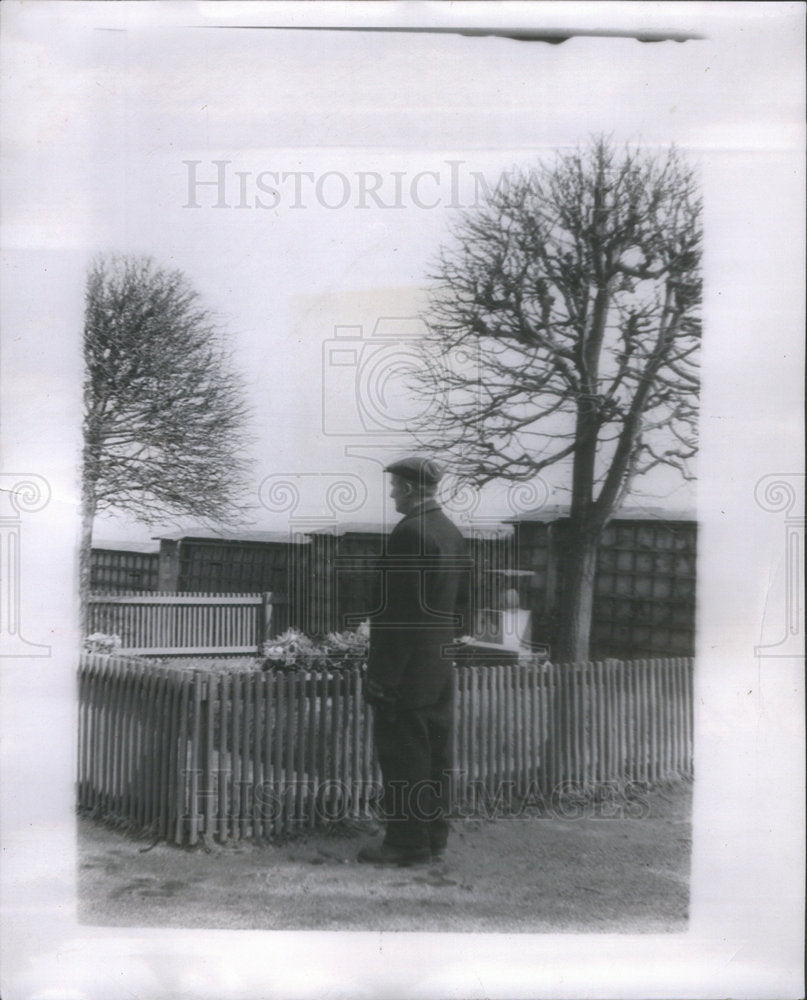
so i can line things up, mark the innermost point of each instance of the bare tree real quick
(164, 414)
(578, 284)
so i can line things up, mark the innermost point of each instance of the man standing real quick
(421, 609)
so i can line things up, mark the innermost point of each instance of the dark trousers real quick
(414, 752)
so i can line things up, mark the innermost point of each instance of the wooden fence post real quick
(168, 567)
(265, 626)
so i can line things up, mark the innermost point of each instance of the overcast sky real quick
(282, 170)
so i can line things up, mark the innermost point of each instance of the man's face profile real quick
(401, 494)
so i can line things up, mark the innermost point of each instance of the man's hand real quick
(377, 694)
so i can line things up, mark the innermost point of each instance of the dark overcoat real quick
(421, 607)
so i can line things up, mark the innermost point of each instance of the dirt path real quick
(531, 874)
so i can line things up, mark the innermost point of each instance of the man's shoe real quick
(392, 857)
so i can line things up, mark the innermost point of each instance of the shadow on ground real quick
(530, 874)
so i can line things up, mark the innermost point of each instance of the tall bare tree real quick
(578, 286)
(164, 411)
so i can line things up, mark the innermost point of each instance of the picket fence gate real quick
(188, 755)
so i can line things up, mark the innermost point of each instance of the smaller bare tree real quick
(164, 410)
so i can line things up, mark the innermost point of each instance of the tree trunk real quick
(571, 646)
(577, 598)
(88, 507)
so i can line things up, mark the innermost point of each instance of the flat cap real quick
(417, 469)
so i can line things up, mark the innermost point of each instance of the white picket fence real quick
(185, 624)
(187, 754)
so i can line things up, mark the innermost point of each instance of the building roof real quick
(115, 546)
(352, 528)
(555, 512)
(494, 529)
(260, 537)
